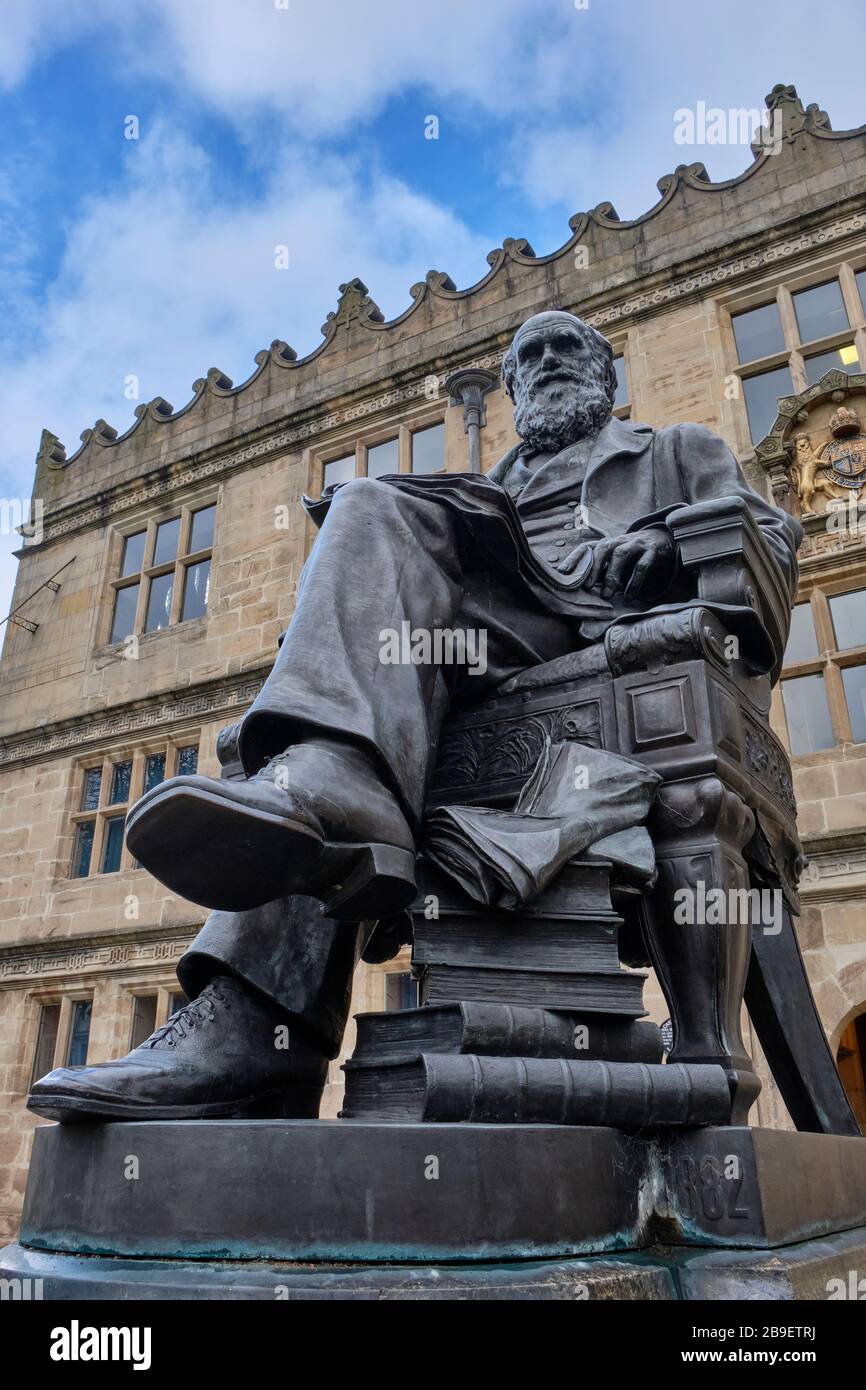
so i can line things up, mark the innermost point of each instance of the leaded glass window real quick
(187, 760)
(164, 574)
(154, 771)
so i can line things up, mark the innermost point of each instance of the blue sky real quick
(264, 123)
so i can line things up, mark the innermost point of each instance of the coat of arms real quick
(838, 470)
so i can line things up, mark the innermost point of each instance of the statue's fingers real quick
(572, 559)
(639, 576)
(619, 568)
(600, 556)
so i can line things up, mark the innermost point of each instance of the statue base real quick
(308, 1209)
(812, 1270)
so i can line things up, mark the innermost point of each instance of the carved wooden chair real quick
(673, 698)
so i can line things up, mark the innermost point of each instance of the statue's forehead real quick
(548, 321)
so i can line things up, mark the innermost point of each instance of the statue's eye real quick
(566, 342)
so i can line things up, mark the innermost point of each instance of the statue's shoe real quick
(315, 821)
(229, 1054)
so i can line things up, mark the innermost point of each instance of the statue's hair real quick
(598, 340)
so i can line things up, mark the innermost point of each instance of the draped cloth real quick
(578, 801)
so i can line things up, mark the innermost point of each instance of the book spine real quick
(506, 1030)
(515, 1090)
(511, 1030)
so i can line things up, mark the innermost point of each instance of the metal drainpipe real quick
(467, 387)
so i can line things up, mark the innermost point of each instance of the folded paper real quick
(578, 800)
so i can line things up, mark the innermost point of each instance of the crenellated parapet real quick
(697, 237)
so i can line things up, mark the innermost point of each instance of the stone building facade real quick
(150, 600)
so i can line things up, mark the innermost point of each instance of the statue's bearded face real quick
(561, 384)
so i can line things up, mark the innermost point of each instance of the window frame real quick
(145, 576)
(361, 444)
(831, 661)
(795, 351)
(106, 810)
(73, 1000)
(42, 1003)
(400, 971)
(623, 410)
(65, 998)
(422, 429)
(144, 992)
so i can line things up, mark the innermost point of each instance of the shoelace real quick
(188, 1017)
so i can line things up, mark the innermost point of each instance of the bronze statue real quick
(563, 544)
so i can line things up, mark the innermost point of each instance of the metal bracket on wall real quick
(46, 584)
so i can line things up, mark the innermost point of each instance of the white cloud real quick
(328, 64)
(165, 278)
(669, 55)
(166, 274)
(589, 94)
(323, 64)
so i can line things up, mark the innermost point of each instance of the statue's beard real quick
(552, 416)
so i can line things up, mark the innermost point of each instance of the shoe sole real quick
(291, 1103)
(244, 857)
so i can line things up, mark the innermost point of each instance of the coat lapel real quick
(618, 440)
(555, 481)
(619, 443)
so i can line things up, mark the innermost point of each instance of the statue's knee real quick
(365, 499)
(364, 492)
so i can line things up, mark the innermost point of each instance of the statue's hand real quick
(633, 563)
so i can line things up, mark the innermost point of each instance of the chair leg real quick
(699, 939)
(782, 1009)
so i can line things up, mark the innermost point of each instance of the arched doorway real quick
(851, 1061)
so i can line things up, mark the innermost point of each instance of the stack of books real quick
(525, 1017)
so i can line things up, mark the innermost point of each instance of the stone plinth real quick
(338, 1210)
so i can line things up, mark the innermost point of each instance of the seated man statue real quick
(565, 536)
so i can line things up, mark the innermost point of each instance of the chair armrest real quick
(722, 545)
(665, 639)
(589, 662)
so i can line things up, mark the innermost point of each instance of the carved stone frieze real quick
(51, 959)
(824, 866)
(725, 271)
(160, 713)
(91, 514)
